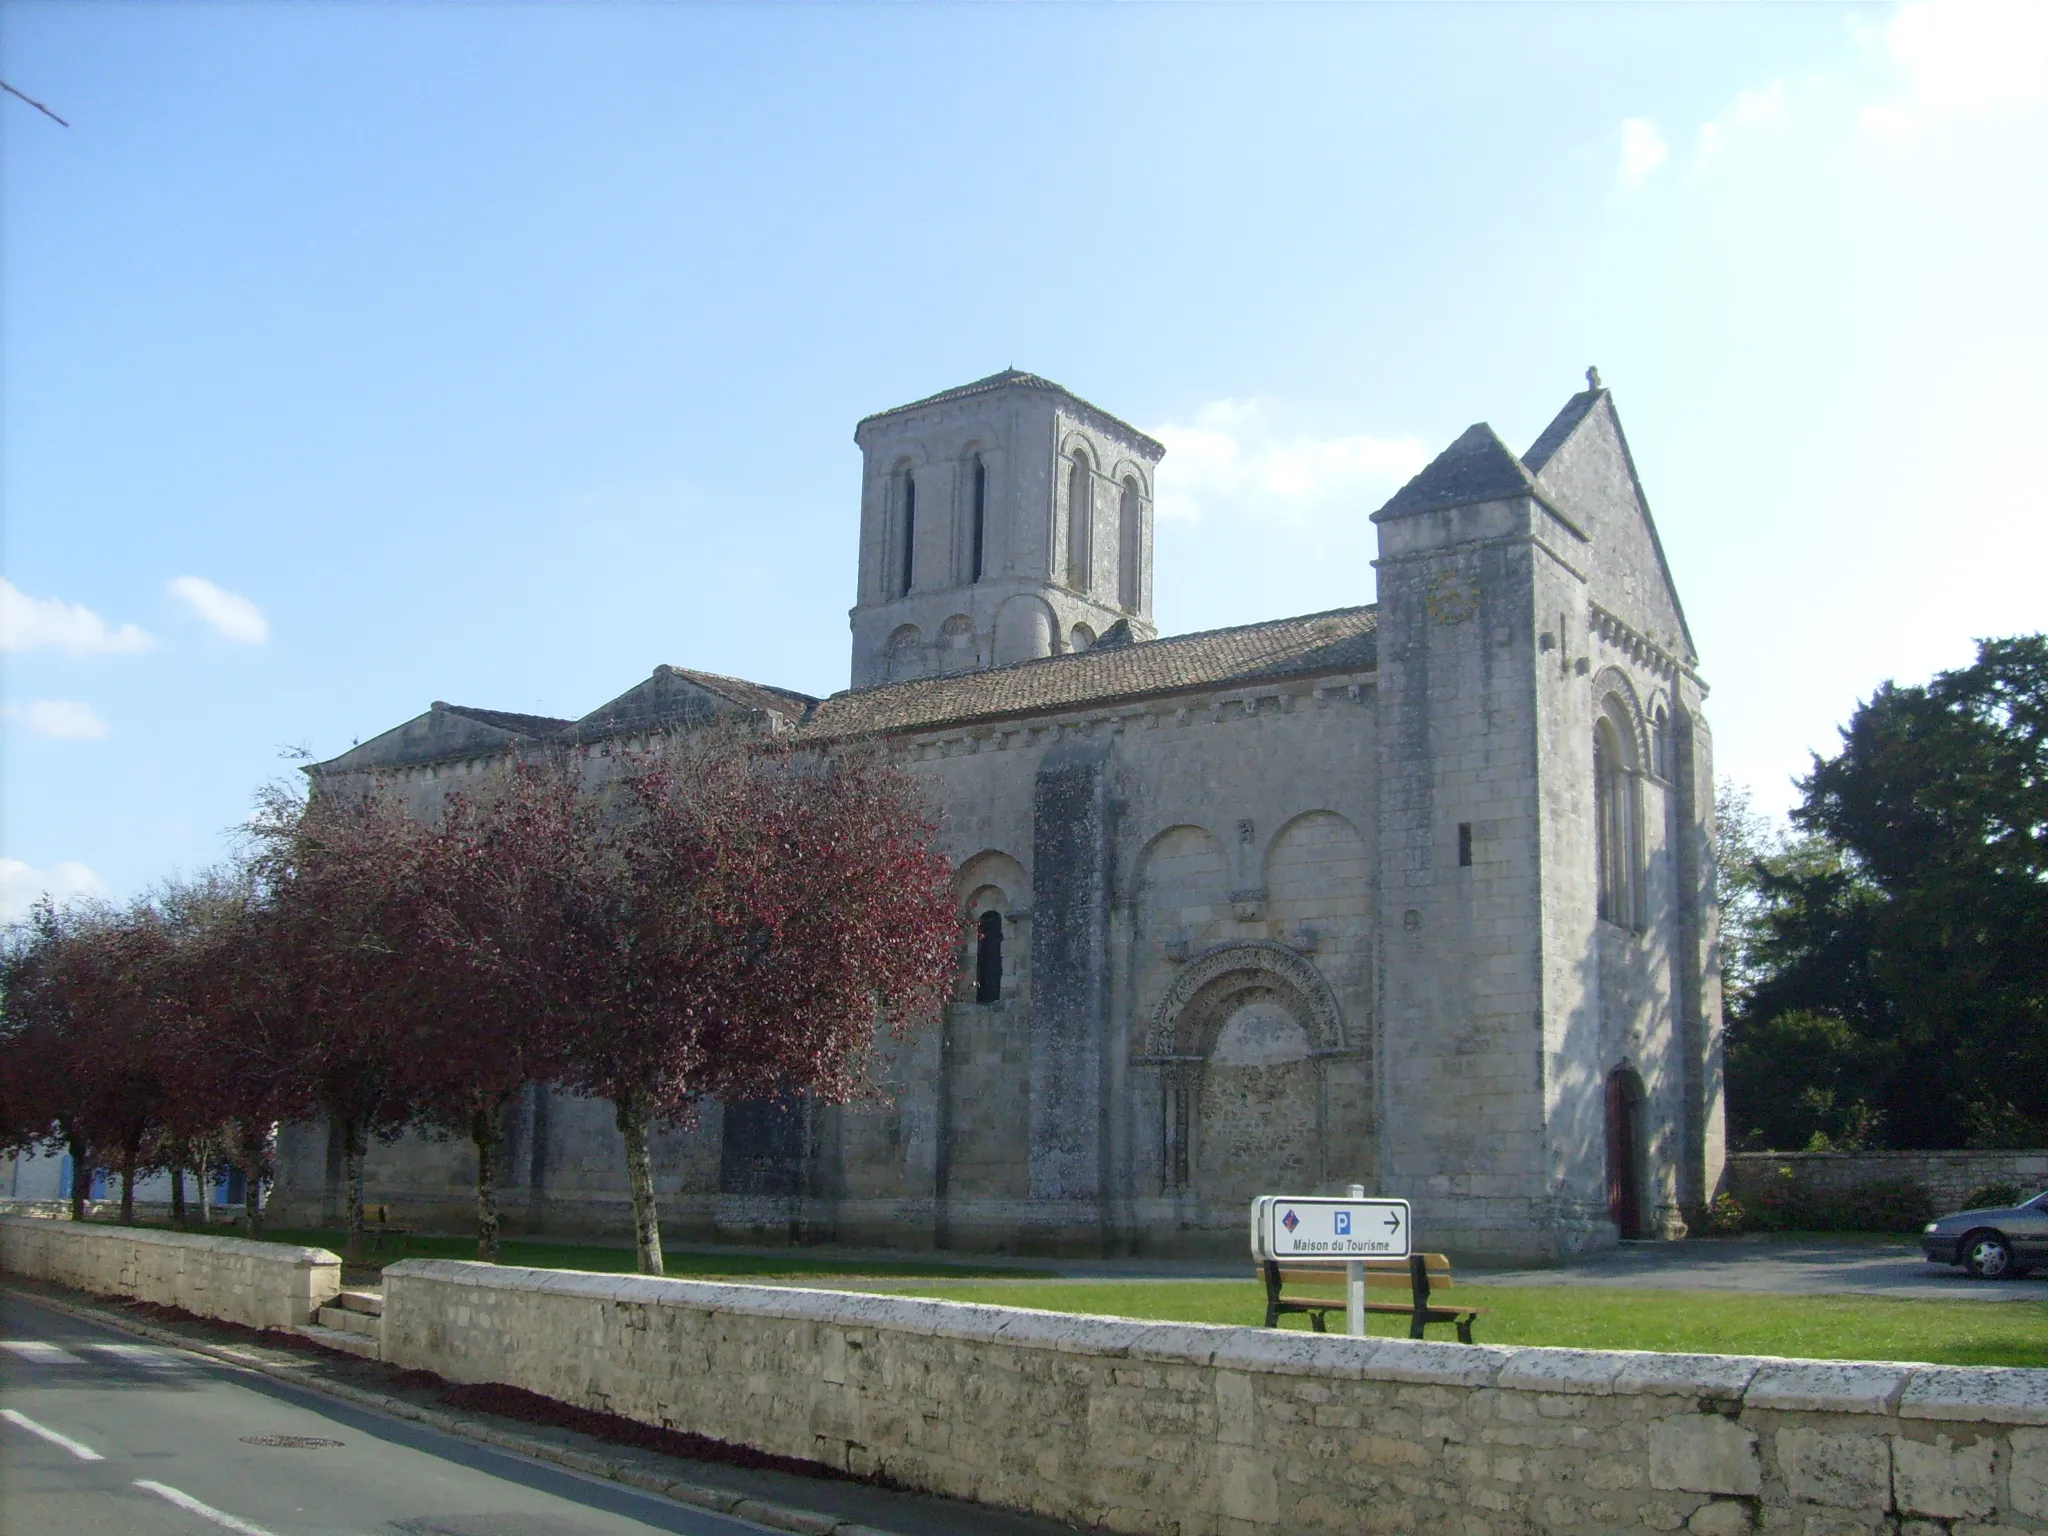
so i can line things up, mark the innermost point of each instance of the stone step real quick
(342, 1320)
(369, 1303)
(347, 1341)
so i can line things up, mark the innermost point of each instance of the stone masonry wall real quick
(261, 1285)
(1196, 1429)
(1948, 1177)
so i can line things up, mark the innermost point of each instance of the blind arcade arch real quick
(1243, 1022)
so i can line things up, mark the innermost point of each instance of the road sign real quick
(1323, 1229)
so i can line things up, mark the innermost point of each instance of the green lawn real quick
(1706, 1322)
(1586, 1317)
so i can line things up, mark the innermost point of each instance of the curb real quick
(723, 1501)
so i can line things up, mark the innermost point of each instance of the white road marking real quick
(185, 1501)
(144, 1354)
(40, 1352)
(82, 1452)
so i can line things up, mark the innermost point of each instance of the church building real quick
(1416, 894)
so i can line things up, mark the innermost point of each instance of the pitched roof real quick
(505, 720)
(1477, 467)
(1342, 640)
(1016, 378)
(444, 731)
(679, 696)
(1559, 432)
(1566, 422)
(763, 696)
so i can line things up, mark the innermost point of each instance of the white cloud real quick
(58, 719)
(33, 623)
(233, 616)
(21, 885)
(1752, 112)
(1962, 56)
(1642, 150)
(1232, 455)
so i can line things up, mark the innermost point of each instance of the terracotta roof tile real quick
(1342, 640)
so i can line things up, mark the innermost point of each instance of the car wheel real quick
(1987, 1256)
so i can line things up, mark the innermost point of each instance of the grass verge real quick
(523, 1253)
(1701, 1322)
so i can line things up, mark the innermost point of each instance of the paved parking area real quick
(1785, 1266)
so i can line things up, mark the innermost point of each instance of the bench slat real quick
(1323, 1279)
(1386, 1308)
(1422, 1275)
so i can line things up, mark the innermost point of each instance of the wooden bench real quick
(1420, 1274)
(377, 1226)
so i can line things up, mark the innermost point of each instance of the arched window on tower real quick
(1080, 521)
(1614, 825)
(988, 959)
(1660, 744)
(1130, 530)
(907, 554)
(978, 532)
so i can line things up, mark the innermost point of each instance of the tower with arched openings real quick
(1003, 521)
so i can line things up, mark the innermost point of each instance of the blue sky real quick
(357, 357)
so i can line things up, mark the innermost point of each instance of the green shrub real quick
(1884, 1205)
(1780, 1204)
(1992, 1197)
(1784, 1204)
(1723, 1218)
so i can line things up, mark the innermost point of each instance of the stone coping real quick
(1982, 1394)
(240, 1247)
(1884, 1155)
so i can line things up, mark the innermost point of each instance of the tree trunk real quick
(202, 1175)
(252, 1184)
(484, 1132)
(128, 1191)
(352, 1152)
(177, 1193)
(632, 1122)
(81, 1176)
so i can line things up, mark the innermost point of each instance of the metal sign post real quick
(1354, 1286)
(1324, 1230)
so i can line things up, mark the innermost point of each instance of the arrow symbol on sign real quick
(1393, 1221)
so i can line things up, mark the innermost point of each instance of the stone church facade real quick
(1416, 895)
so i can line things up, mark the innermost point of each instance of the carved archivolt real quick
(1187, 1015)
(1615, 684)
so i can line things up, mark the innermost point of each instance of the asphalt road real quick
(101, 1434)
(1782, 1266)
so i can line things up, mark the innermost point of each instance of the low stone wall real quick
(1948, 1177)
(262, 1285)
(1193, 1429)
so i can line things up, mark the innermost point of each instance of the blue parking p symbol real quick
(1343, 1223)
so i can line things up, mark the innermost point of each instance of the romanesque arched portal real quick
(1240, 1039)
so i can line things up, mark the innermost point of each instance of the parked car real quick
(1998, 1244)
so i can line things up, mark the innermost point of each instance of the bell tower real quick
(1001, 521)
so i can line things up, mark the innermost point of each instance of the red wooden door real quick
(1624, 1191)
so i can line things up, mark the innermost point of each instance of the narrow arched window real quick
(1130, 530)
(1603, 760)
(978, 534)
(1660, 743)
(909, 550)
(1080, 518)
(1613, 827)
(988, 959)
